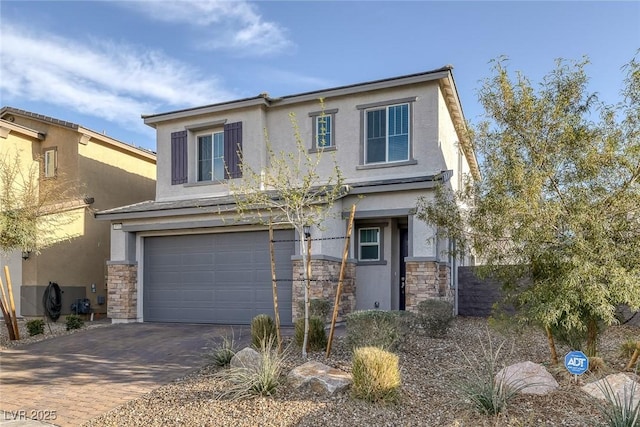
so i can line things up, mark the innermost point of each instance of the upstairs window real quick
(50, 161)
(323, 130)
(210, 156)
(387, 134)
(217, 154)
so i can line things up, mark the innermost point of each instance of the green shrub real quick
(317, 339)
(406, 322)
(435, 316)
(74, 322)
(262, 330)
(223, 354)
(264, 380)
(376, 375)
(35, 327)
(318, 307)
(488, 395)
(373, 328)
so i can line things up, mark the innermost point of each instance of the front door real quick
(404, 252)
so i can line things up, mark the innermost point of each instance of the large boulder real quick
(319, 378)
(528, 378)
(615, 386)
(247, 358)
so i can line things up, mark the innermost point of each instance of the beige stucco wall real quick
(110, 174)
(16, 142)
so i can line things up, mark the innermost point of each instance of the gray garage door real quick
(215, 278)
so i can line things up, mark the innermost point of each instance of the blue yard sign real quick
(576, 362)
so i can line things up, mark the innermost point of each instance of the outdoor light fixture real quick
(26, 255)
(307, 231)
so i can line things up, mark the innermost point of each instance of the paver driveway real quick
(74, 378)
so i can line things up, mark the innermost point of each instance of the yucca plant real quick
(376, 375)
(620, 409)
(488, 394)
(262, 379)
(223, 354)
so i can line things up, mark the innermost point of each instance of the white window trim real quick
(361, 244)
(50, 152)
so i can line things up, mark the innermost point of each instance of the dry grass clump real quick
(376, 375)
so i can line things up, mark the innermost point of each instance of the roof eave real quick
(450, 94)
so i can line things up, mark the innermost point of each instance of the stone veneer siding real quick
(122, 293)
(427, 280)
(324, 284)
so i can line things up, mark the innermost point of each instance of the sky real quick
(103, 64)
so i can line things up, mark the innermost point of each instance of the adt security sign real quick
(576, 362)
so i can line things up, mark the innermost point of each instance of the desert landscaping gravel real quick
(431, 369)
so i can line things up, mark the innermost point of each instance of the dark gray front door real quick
(215, 278)
(404, 252)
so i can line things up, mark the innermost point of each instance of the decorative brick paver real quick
(78, 377)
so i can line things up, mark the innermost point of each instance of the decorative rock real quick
(319, 378)
(619, 385)
(529, 377)
(246, 358)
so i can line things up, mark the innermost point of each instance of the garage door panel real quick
(197, 277)
(215, 278)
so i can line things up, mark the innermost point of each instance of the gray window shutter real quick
(179, 157)
(233, 150)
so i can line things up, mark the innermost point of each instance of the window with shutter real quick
(233, 150)
(179, 157)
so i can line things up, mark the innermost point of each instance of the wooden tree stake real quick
(336, 305)
(274, 286)
(634, 357)
(11, 301)
(552, 346)
(6, 314)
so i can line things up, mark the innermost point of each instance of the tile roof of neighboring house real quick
(7, 111)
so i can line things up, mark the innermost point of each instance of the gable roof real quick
(7, 115)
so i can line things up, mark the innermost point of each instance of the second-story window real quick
(324, 131)
(324, 136)
(387, 134)
(50, 162)
(211, 156)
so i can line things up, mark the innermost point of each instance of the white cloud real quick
(236, 26)
(114, 82)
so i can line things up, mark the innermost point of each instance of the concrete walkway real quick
(69, 380)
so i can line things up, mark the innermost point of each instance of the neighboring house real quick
(110, 173)
(184, 257)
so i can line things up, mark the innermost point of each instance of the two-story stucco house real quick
(108, 173)
(183, 258)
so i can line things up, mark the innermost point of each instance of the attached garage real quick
(222, 278)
